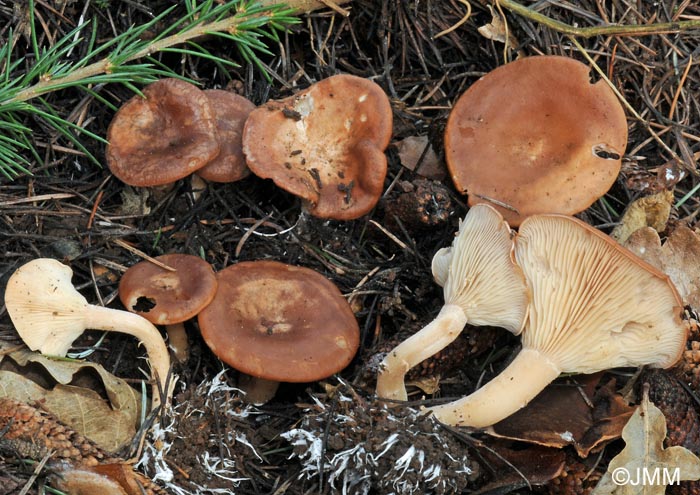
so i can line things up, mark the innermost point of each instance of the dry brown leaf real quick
(645, 459)
(497, 30)
(649, 211)
(417, 154)
(679, 258)
(564, 415)
(69, 391)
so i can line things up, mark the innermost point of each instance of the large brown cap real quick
(231, 111)
(595, 305)
(280, 322)
(537, 135)
(325, 144)
(165, 297)
(162, 136)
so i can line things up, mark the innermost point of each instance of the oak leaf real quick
(644, 467)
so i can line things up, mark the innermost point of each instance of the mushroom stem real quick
(428, 341)
(100, 318)
(258, 391)
(525, 377)
(177, 341)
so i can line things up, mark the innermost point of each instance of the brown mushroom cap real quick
(279, 322)
(231, 111)
(165, 297)
(535, 134)
(325, 144)
(163, 136)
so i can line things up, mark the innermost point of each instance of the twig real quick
(591, 31)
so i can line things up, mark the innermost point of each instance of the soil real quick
(214, 442)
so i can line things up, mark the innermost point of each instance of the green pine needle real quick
(124, 59)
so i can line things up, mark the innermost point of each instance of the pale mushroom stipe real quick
(594, 306)
(482, 285)
(49, 314)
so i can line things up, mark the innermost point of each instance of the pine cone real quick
(31, 433)
(688, 368)
(576, 478)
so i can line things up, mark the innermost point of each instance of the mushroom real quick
(325, 144)
(162, 136)
(481, 284)
(536, 136)
(594, 306)
(49, 314)
(231, 111)
(279, 323)
(169, 297)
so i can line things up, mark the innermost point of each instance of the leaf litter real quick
(393, 43)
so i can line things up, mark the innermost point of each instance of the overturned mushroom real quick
(482, 286)
(279, 323)
(325, 144)
(594, 306)
(535, 136)
(169, 298)
(49, 314)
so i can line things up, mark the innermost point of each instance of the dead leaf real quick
(679, 258)
(417, 154)
(649, 211)
(497, 30)
(69, 390)
(564, 415)
(644, 458)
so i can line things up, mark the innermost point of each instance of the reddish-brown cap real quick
(537, 135)
(165, 297)
(162, 136)
(325, 144)
(280, 322)
(231, 111)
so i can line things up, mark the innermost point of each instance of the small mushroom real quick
(594, 306)
(536, 136)
(169, 297)
(162, 136)
(231, 111)
(482, 286)
(279, 323)
(325, 144)
(49, 314)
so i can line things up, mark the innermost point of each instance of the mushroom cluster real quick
(271, 321)
(325, 144)
(592, 305)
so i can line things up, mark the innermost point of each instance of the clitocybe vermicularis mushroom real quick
(556, 147)
(49, 314)
(594, 306)
(482, 286)
(279, 323)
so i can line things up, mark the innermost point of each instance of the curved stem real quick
(99, 318)
(430, 340)
(525, 377)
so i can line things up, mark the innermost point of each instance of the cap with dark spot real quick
(325, 144)
(280, 322)
(165, 297)
(162, 136)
